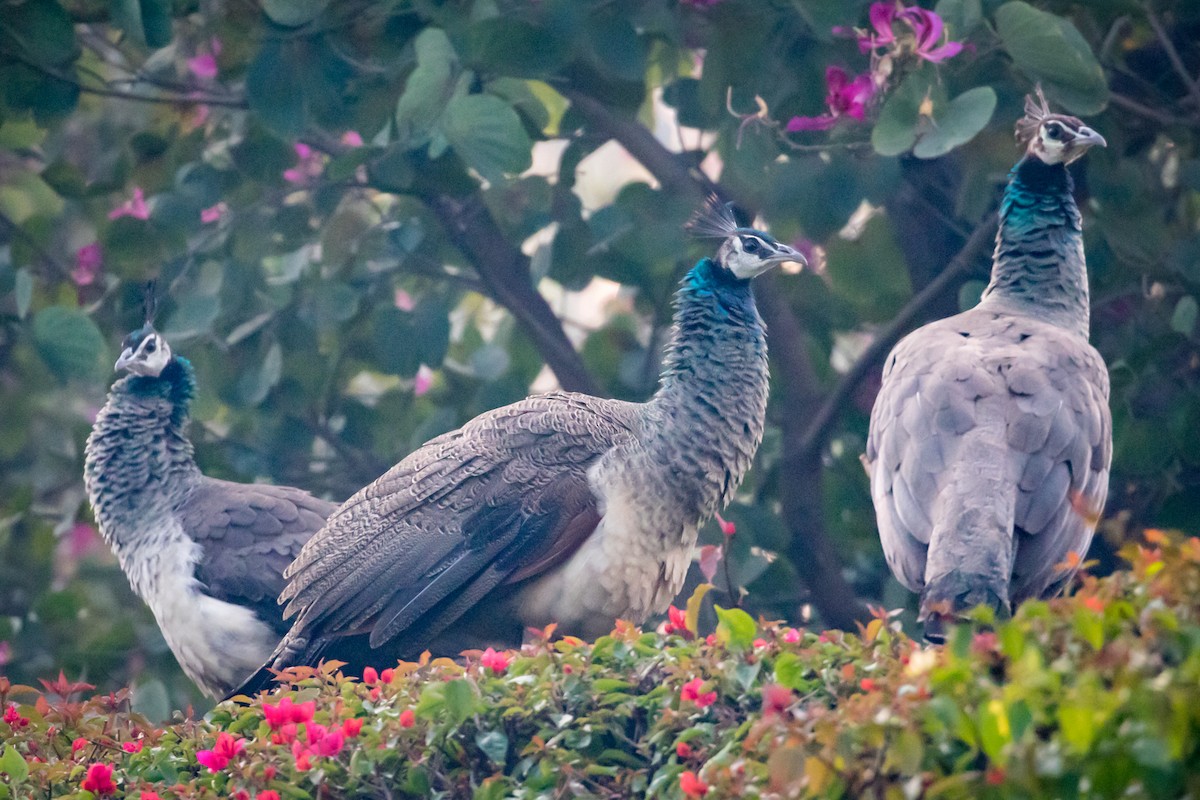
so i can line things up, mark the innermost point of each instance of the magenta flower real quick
(204, 64)
(926, 27)
(222, 753)
(213, 213)
(496, 662)
(134, 207)
(423, 380)
(352, 138)
(88, 260)
(845, 98)
(311, 165)
(691, 693)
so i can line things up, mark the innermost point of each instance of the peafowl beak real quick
(125, 360)
(785, 254)
(1085, 137)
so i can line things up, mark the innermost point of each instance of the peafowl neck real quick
(1038, 267)
(139, 463)
(711, 405)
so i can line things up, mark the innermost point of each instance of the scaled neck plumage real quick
(1038, 268)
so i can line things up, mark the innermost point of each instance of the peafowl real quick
(206, 555)
(991, 437)
(561, 508)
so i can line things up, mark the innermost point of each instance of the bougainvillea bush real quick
(1094, 695)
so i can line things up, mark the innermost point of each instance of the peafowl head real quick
(1053, 138)
(144, 352)
(744, 252)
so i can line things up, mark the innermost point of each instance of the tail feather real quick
(972, 547)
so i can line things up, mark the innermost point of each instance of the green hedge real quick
(1095, 695)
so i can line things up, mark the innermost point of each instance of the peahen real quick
(560, 508)
(991, 437)
(206, 555)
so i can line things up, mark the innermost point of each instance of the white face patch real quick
(148, 358)
(1061, 142)
(748, 255)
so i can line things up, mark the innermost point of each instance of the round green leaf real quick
(147, 21)
(427, 88)
(69, 342)
(293, 13)
(274, 89)
(487, 134)
(957, 122)
(40, 29)
(896, 129)
(1051, 50)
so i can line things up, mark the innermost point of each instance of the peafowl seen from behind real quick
(561, 508)
(206, 555)
(991, 437)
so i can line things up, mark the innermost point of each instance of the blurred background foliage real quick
(370, 221)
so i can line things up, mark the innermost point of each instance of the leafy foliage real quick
(369, 221)
(1096, 694)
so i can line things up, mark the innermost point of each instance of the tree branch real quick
(504, 272)
(1173, 56)
(819, 428)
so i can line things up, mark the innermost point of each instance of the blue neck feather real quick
(1038, 267)
(177, 383)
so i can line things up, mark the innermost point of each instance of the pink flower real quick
(204, 64)
(759, 644)
(99, 779)
(269, 794)
(691, 692)
(310, 166)
(691, 785)
(423, 380)
(926, 27)
(845, 98)
(676, 623)
(287, 711)
(727, 527)
(213, 213)
(147, 795)
(87, 264)
(219, 757)
(710, 559)
(78, 745)
(135, 207)
(352, 727)
(791, 636)
(407, 718)
(352, 138)
(683, 750)
(6, 650)
(370, 676)
(496, 662)
(868, 685)
(404, 301)
(775, 700)
(387, 676)
(132, 747)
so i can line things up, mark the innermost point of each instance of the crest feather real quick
(149, 301)
(1037, 111)
(715, 220)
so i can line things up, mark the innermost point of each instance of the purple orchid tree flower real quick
(844, 98)
(926, 26)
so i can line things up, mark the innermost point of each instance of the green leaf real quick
(896, 129)
(461, 700)
(1183, 319)
(790, 672)
(494, 745)
(23, 289)
(428, 88)
(275, 89)
(957, 122)
(254, 385)
(41, 29)
(735, 628)
(1049, 49)
(487, 134)
(293, 13)
(508, 46)
(14, 764)
(69, 342)
(147, 21)
(869, 272)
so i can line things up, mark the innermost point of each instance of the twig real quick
(1144, 110)
(16, 230)
(819, 428)
(1172, 54)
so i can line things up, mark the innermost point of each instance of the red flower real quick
(132, 747)
(370, 676)
(728, 528)
(683, 750)
(994, 776)
(99, 779)
(285, 734)
(676, 623)
(388, 675)
(78, 745)
(352, 727)
(269, 794)
(219, 757)
(87, 264)
(496, 662)
(269, 772)
(13, 717)
(775, 700)
(868, 685)
(691, 692)
(791, 636)
(407, 718)
(63, 687)
(692, 786)
(148, 795)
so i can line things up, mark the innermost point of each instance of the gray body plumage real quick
(991, 436)
(206, 555)
(561, 508)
